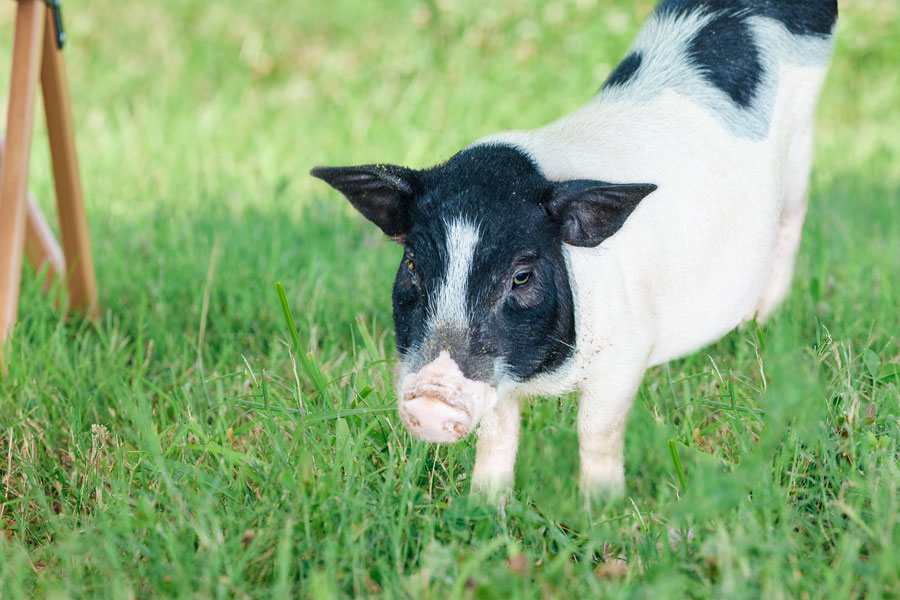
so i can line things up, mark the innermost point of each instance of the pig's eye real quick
(411, 269)
(521, 278)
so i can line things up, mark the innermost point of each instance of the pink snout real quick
(439, 404)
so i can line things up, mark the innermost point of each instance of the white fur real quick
(663, 45)
(498, 441)
(450, 305)
(714, 245)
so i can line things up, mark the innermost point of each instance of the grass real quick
(191, 444)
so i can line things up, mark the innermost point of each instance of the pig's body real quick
(697, 256)
(714, 106)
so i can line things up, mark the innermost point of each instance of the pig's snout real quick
(440, 404)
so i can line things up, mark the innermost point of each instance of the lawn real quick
(189, 445)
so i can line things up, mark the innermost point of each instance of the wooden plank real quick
(41, 248)
(73, 226)
(14, 175)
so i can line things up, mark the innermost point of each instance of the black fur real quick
(804, 17)
(625, 71)
(800, 17)
(379, 192)
(591, 211)
(523, 220)
(724, 50)
(500, 189)
(725, 53)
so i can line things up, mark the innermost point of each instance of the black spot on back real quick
(724, 51)
(800, 17)
(625, 71)
(808, 17)
(726, 54)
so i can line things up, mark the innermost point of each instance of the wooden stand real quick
(22, 227)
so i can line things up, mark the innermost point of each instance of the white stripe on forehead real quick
(449, 306)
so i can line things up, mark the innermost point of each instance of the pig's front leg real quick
(495, 452)
(604, 403)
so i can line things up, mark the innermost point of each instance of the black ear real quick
(380, 192)
(591, 211)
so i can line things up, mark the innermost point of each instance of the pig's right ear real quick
(382, 193)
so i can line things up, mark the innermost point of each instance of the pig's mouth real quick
(440, 404)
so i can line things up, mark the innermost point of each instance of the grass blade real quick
(306, 361)
(676, 460)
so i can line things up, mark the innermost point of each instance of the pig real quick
(643, 226)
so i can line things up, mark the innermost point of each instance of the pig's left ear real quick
(591, 211)
(382, 193)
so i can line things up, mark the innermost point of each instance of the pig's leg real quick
(495, 452)
(602, 411)
(782, 272)
(790, 225)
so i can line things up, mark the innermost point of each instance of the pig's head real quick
(482, 299)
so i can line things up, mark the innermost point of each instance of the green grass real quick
(189, 445)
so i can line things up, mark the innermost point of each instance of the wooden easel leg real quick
(14, 175)
(73, 226)
(41, 248)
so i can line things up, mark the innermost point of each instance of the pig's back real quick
(729, 147)
(725, 55)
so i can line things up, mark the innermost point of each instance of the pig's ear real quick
(382, 193)
(591, 211)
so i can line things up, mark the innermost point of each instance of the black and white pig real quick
(641, 227)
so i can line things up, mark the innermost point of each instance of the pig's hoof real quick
(433, 420)
(594, 488)
(491, 487)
